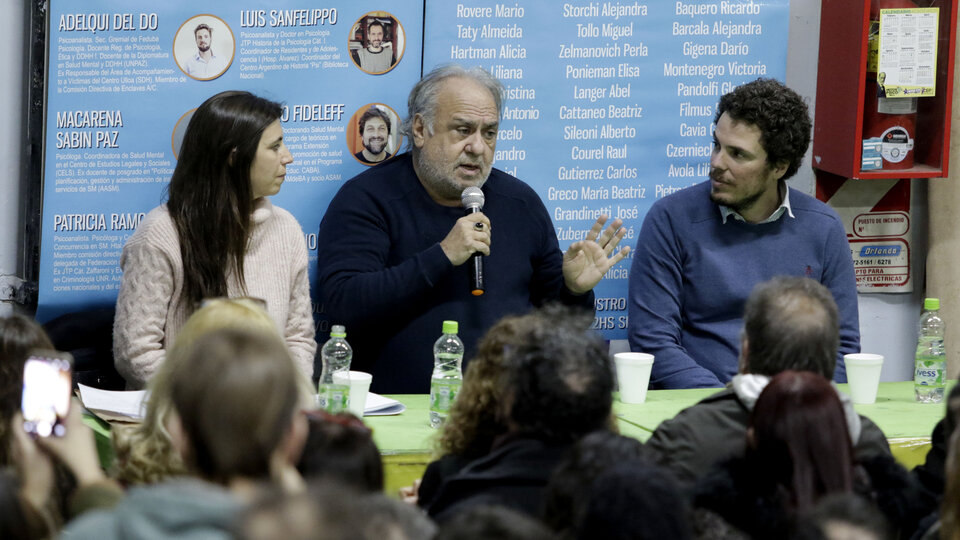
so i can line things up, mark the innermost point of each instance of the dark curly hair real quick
(559, 381)
(779, 113)
(565, 499)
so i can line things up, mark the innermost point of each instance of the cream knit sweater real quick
(150, 310)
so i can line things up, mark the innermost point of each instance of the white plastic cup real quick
(359, 383)
(633, 375)
(863, 376)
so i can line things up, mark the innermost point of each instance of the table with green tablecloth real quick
(407, 441)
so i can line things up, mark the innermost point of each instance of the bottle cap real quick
(338, 330)
(931, 304)
(450, 327)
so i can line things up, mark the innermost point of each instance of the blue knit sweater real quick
(692, 274)
(382, 273)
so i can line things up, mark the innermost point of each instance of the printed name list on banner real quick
(610, 104)
(124, 78)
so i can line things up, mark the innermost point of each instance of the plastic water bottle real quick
(447, 377)
(336, 355)
(930, 372)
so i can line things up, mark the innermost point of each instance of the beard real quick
(203, 47)
(743, 203)
(442, 181)
(375, 144)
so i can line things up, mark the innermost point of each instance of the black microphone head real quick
(472, 197)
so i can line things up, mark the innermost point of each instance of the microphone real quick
(472, 200)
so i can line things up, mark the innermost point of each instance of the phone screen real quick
(46, 393)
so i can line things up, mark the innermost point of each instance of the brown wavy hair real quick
(476, 417)
(473, 422)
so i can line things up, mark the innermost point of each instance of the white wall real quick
(12, 28)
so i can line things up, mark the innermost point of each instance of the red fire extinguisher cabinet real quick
(841, 85)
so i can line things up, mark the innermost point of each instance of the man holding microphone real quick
(394, 242)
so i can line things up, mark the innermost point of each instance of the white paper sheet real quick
(131, 404)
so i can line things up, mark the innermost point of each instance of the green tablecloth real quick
(407, 441)
(895, 411)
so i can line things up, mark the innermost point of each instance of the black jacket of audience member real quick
(514, 474)
(756, 505)
(437, 472)
(715, 429)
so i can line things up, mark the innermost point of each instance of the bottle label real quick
(443, 392)
(334, 398)
(929, 371)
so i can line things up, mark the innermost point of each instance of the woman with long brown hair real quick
(799, 451)
(218, 235)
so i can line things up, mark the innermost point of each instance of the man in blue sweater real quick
(393, 244)
(701, 250)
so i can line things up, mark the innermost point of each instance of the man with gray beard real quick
(393, 244)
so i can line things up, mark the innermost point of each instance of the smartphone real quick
(47, 384)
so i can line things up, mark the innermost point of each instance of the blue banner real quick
(609, 105)
(124, 77)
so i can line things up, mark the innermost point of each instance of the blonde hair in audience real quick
(235, 395)
(144, 453)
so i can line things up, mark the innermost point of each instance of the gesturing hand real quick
(470, 234)
(587, 260)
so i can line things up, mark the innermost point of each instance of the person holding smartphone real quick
(218, 235)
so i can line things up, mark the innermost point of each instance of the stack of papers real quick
(378, 405)
(114, 406)
(130, 406)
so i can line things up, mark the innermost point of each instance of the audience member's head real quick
(950, 507)
(559, 382)
(798, 439)
(144, 453)
(340, 447)
(842, 516)
(18, 335)
(332, 512)
(474, 421)
(790, 323)
(952, 415)
(236, 401)
(486, 522)
(635, 500)
(567, 493)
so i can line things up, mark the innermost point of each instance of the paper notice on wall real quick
(876, 215)
(907, 52)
